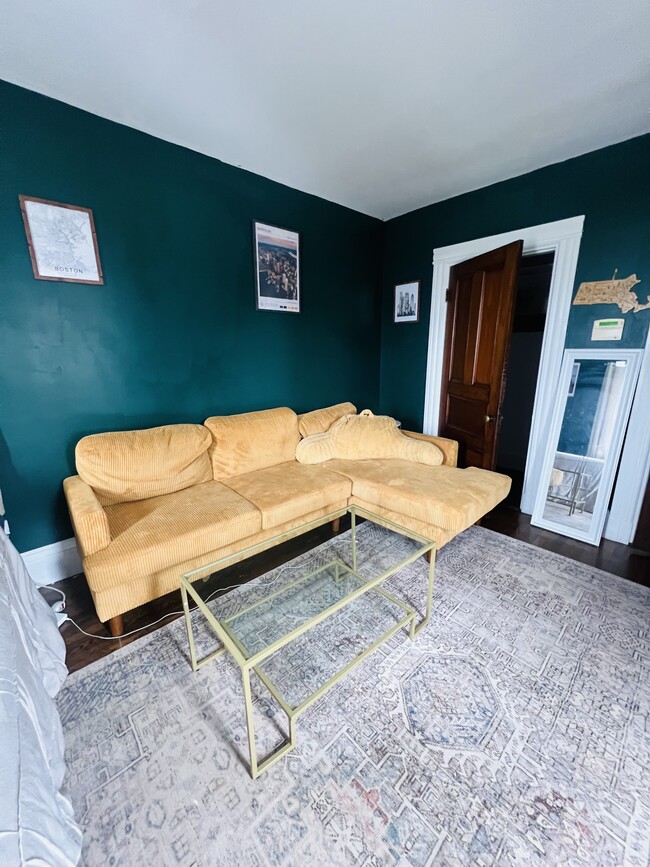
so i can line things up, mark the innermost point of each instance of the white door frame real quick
(563, 239)
(634, 467)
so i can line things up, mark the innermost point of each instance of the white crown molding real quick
(53, 562)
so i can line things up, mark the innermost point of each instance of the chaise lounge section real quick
(149, 505)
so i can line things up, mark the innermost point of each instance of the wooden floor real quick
(81, 650)
(609, 556)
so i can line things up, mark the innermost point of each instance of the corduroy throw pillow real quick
(365, 436)
(321, 420)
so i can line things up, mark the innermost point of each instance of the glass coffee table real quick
(331, 599)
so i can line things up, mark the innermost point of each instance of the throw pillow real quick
(320, 420)
(365, 436)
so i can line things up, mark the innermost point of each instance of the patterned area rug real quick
(515, 729)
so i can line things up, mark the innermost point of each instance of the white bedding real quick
(37, 826)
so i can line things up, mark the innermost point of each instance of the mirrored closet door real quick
(594, 399)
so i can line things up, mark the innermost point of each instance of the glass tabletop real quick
(267, 613)
(261, 624)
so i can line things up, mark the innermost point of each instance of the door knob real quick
(489, 418)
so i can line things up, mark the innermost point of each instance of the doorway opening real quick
(531, 302)
(561, 237)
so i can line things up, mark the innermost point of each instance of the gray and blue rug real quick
(515, 729)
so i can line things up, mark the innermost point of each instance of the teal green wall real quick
(173, 335)
(611, 187)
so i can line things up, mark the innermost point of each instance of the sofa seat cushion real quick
(427, 531)
(288, 490)
(150, 535)
(446, 497)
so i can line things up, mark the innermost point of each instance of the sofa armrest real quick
(88, 517)
(449, 448)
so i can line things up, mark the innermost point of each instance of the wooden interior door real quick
(479, 323)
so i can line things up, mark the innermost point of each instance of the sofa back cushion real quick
(252, 441)
(320, 420)
(133, 465)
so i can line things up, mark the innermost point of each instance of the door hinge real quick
(447, 295)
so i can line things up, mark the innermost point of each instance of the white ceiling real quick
(381, 105)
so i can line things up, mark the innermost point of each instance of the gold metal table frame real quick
(247, 662)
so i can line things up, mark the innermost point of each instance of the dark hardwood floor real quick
(506, 519)
(609, 556)
(81, 650)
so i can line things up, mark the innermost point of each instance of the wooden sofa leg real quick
(427, 556)
(336, 525)
(115, 625)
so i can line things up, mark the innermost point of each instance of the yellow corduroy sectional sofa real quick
(149, 505)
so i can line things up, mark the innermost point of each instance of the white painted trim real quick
(561, 237)
(633, 358)
(53, 562)
(634, 469)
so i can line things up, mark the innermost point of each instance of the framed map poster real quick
(277, 270)
(62, 241)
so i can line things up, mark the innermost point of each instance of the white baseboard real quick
(53, 562)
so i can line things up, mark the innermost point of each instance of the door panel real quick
(463, 412)
(461, 328)
(479, 322)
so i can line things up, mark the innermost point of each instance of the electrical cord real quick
(57, 606)
(165, 616)
(118, 637)
(147, 625)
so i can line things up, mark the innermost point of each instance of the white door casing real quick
(634, 466)
(563, 239)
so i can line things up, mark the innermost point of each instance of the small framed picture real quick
(407, 302)
(575, 373)
(62, 241)
(277, 268)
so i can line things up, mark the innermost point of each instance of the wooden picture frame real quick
(406, 302)
(62, 247)
(276, 254)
